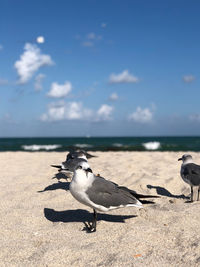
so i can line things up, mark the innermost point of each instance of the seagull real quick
(190, 173)
(72, 159)
(101, 194)
(78, 153)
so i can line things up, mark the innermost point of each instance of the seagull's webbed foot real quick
(90, 227)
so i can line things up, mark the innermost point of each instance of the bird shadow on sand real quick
(164, 192)
(82, 216)
(59, 185)
(61, 175)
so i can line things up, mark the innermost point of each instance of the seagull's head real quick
(64, 166)
(186, 158)
(76, 154)
(83, 167)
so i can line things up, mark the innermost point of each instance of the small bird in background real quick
(190, 173)
(79, 153)
(101, 194)
(72, 159)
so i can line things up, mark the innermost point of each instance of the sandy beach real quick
(42, 224)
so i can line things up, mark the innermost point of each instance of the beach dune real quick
(42, 224)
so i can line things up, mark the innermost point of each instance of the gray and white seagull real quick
(72, 159)
(190, 173)
(101, 194)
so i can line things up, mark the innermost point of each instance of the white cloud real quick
(113, 97)
(76, 111)
(62, 110)
(55, 112)
(66, 111)
(40, 39)
(60, 90)
(104, 113)
(38, 82)
(142, 115)
(188, 78)
(30, 61)
(124, 77)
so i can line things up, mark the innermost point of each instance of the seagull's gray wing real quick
(108, 194)
(136, 195)
(191, 172)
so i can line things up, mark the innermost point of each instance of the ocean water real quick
(101, 144)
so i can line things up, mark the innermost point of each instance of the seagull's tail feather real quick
(136, 195)
(88, 156)
(146, 201)
(144, 196)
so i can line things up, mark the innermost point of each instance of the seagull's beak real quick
(59, 167)
(180, 159)
(56, 166)
(88, 170)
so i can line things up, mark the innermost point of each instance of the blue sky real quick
(99, 68)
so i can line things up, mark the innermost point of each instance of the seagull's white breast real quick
(79, 185)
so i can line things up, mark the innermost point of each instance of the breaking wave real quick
(40, 147)
(117, 145)
(152, 145)
(83, 145)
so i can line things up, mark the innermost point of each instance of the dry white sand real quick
(45, 228)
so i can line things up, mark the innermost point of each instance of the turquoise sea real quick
(101, 144)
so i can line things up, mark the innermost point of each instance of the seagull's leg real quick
(94, 223)
(198, 193)
(91, 227)
(191, 193)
